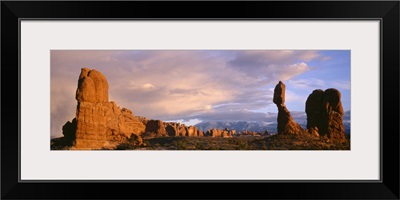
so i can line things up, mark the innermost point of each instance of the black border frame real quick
(385, 11)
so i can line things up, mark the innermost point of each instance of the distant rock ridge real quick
(220, 133)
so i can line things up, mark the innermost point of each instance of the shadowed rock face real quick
(69, 130)
(286, 124)
(172, 129)
(100, 123)
(314, 111)
(324, 114)
(157, 127)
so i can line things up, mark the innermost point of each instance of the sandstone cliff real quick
(100, 123)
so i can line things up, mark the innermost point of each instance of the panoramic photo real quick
(200, 100)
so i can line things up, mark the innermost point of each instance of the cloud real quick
(148, 86)
(291, 96)
(178, 84)
(341, 85)
(228, 115)
(325, 58)
(307, 84)
(272, 65)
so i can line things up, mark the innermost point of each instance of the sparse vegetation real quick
(275, 142)
(302, 141)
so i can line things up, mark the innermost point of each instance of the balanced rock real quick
(325, 114)
(286, 124)
(279, 93)
(100, 123)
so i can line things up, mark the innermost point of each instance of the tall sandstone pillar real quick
(286, 124)
(100, 123)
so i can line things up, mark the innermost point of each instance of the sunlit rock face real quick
(286, 124)
(100, 123)
(220, 133)
(177, 129)
(325, 114)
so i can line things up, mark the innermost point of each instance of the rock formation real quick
(324, 114)
(192, 131)
(157, 127)
(100, 123)
(252, 133)
(172, 129)
(200, 133)
(220, 133)
(177, 129)
(69, 130)
(286, 124)
(313, 111)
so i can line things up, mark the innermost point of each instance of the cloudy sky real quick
(198, 85)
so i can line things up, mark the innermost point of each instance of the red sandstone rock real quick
(92, 87)
(279, 93)
(100, 123)
(286, 124)
(324, 115)
(157, 127)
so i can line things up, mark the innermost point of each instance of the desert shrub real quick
(200, 146)
(214, 147)
(242, 145)
(125, 146)
(62, 143)
(181, 144)
(264, 145)
(149, 135)
(136, 140)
